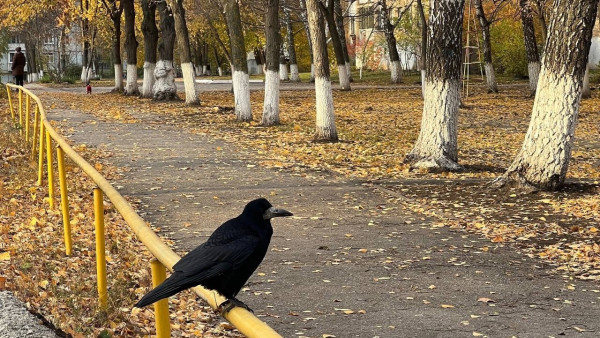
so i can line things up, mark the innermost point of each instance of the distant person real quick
(88, 88)
(18, 66)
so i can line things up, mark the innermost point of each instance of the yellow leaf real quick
(4, 256)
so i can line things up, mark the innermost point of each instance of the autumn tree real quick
(150, 33)
(291, 44)
(185, 55)
(271, 104)
(164, 75)
(114, 9)
(543, 161)
(341, 29)
(131, 44)
(485, 21)
(327, 9)
(423, 60)
(304, 18)
(325, 121)
(389, 29)
(533, 56)
(239, 64)
(436, 147)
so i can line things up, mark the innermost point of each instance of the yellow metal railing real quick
(241, 318)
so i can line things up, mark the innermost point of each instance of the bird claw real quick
(229, 304)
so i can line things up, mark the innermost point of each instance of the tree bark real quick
(390, 38)
(115, 12)
(543, 160)
(164, 74)
(283, 69)
(185, 56)
(131, 44)
(329, 15)
(239, 64)
(437, 146)
(586, 92)
(533, 56)
(490, 75)
(303, 16)
(150, 33)
(325, 118)
(294, 74)
(339, 22)
(271, 104)
(423, 22)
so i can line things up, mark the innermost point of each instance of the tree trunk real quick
(185, 56)
(131, 87)
(150, 44)
(490, 75)
(339, 23)
(423, 22)
(533, 57)
(390, 38)
(436, 147)
(239, 64)
(586, 92)
(283, 69)
(164, 74)
(303, 16)
(115, 16)
(289, 27)
(325, 121)
(328, 14)
(271, 104)
(543, 160)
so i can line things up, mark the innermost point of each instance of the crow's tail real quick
(169, 287)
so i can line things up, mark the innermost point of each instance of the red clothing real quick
(18, 65)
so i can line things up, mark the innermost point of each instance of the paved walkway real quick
(351, 263)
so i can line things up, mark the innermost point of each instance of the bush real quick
(508, 48)
(73, 71)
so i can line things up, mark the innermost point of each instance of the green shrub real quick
(508, 48)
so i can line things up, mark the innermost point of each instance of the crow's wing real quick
(210, 259)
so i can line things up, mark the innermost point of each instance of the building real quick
(53, 50)
(366, 40)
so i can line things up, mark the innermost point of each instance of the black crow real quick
(227, 259)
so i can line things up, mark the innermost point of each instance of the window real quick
(366, 19)
(15, 39)
(11, 57)
(49, 40)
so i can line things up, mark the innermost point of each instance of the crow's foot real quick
(231, 303)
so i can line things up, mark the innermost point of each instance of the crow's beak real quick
(275, 212)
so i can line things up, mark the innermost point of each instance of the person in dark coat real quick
(18, 66)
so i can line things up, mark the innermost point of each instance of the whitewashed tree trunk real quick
(271, 104)
(349, 71)
(543, 161)
(533, 68)
(241, 91)
(396, 71)
(587, 92)
(84, 72)
(283, 72)
(220, 71)
(312, 72)
(131, 87)
(436, 147)
(164, 86)
(205, 70)
(325, 118)
(148, 83)
(490, 78)
(295, 75)
(189, 83)
(344, 77)
(118, 78)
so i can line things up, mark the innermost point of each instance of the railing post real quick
(49, 167)
(36, 117)
(100, 247)
(64, 200)
(20, 111)
(161, 307)
(10, 104)
(27, 106)
(41, 154)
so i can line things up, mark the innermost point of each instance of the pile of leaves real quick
(33, 263)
